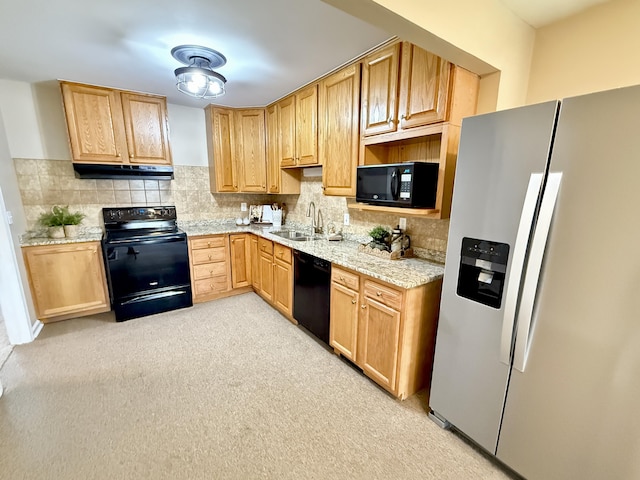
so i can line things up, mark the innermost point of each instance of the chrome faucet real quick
(316, 225)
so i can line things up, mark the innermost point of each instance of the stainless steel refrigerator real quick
(538, 346)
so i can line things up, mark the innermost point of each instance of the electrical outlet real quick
(346, 219)
(403, 223)
(243, 207)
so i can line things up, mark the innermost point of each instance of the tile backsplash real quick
(44, 183)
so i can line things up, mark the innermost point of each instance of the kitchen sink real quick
(295, 235)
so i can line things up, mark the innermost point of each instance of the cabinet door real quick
(273, 155)
(283, 286)
(95, 123)
(146, 126)
(240, 263)
(266, 276)
(307, 126)
(287, 123)
(223, 174)
(255, 263)
(67, 279)
(344, 320)
(424, 87)
(380, 339)
(339, 106)
(380, 91)
(251, 154)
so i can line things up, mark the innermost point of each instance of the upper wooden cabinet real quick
(278, 180)
(424, 87)
(251, 153)
(223, 173)
(298, 126)
(403, 86)
(380, 91)
(237, 149)
(113, 126)
(339, 119)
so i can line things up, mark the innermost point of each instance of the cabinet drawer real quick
(385, 295)
(265, 246)
(210, 285)
(208, 255)
(282, 253)
(345, 278)
(209, 270)
(207, 242)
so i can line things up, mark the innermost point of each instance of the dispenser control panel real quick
(482, 272)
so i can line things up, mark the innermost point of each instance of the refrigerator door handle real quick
(536, 255)
(517, 266)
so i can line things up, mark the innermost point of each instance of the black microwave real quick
(411, 184)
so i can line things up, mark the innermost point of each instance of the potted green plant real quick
(380, 238)
(71, 222)
(60, 222)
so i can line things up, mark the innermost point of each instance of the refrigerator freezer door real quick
(573, 412)
(498, 154)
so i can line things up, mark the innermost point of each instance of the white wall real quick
(15, 298)
(592, 51)
(188, 135)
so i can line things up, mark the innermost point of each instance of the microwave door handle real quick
(395, 184)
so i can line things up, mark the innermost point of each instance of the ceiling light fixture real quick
(198, 79)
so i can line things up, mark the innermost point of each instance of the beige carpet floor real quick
(224, 390)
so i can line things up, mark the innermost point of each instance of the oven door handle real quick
(147, 241)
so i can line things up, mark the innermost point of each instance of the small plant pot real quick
(55, 232)
(71, 231)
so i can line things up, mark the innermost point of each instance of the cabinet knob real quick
(353, 301)
(131, 155)
(118, 154)
(341, 278)
(209, 257)
(208, 244)
(363, 306)
(379, 294)
(210, 272)
(390, 120)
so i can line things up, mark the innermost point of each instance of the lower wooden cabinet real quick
(275, 272)
(67, 280)
(265, 267)
(255, 262)
(210, 266)
(240, 260)
(282, 279)
(387, 331)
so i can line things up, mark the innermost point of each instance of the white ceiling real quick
(272, 46)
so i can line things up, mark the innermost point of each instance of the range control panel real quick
(136, 214)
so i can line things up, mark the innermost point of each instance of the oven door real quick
(147, 265)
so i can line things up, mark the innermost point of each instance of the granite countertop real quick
(406, 273)
(37, 238)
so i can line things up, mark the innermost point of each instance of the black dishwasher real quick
(311, 291)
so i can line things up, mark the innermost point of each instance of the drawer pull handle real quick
(353, 301)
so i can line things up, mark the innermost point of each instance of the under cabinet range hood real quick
(104, 171)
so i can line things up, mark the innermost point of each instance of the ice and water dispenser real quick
(483, 267)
